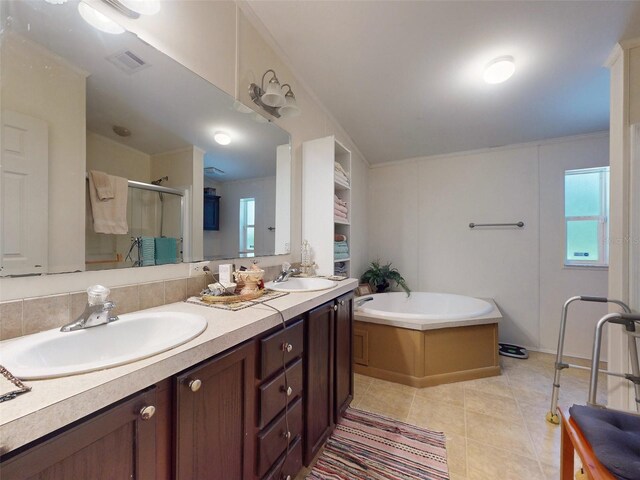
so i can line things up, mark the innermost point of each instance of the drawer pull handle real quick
(342, 302)
(287, 390)
(286, 435)
(335, 308)
(287, 347)
(286, 477)
(147, 412)
(194, 385)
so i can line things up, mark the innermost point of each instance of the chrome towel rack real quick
(518, 224)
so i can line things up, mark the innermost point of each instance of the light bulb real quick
(499, 70)
(222, 138)
(98, 20)
(143, 7)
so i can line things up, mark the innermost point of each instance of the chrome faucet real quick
(286, 272)
(93, 315)
(362, 301)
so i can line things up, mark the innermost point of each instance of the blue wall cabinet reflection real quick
(211, 212)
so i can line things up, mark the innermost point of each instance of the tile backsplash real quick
(35, 314)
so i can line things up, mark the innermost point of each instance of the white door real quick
(24, 180)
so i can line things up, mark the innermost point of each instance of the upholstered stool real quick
(607, 442)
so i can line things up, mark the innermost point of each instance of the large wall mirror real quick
(111, 155)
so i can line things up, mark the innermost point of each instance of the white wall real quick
(229, 47)
(184, 168)
(114, 158)
(419, 211)
(49, 88)
(264, 192)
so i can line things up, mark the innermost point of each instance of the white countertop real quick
(54, 403)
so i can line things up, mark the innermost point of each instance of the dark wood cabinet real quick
(215, 418)
(319, 355)
(118, 443)
(329, 370)
(211, 211)
(343, 354)
(280, 411)
(253, 412)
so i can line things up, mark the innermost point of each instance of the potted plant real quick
(378, 277)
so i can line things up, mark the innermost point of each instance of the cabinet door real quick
(215, 436)
(344, 357)
(318, 379)
(118, 443)
(211, 211)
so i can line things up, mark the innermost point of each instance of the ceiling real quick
(404, 78)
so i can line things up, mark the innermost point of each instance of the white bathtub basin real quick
(301, 285)
(134, 336)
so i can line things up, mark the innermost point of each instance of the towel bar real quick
(518, 224)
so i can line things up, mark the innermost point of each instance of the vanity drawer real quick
(287, 467)
(273, 394)
(272, 442)
(272, 346)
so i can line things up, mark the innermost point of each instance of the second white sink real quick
(301, 284)
(134, 336)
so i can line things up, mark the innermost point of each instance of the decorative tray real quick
(231, 298)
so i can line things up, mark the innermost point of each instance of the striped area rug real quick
(365, 446)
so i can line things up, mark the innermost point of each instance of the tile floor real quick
(495, 427)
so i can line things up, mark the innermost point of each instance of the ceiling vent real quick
(213, 171)
(128, 62)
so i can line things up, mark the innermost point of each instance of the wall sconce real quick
(272, 100)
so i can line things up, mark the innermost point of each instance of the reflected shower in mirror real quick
(76, 100)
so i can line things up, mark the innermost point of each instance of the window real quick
(586, 212)
(247, 226)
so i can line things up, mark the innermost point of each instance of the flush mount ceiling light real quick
(499, 69)
(222, 138)
(98, 20)
(143, 7)
(121, 131)
(134, 8)
(56, 2)
(272, 100)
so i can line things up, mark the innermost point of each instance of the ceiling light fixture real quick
(271, 98)
(121, 131)
(290, 107)
(222, 138)
(98, 20)
(499, 69)
(134, 8)
(143, 7)
(56, 2)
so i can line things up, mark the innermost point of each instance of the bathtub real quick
(427, 338)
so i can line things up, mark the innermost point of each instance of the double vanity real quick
(254, 396)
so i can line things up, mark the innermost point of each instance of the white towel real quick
(339, 214)
(341, 178)
(340, 208)
(110, 215)
(339, 168)
(103, 184)
(338, 201)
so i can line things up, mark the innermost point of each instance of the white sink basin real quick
(301, 285)
(134, 336)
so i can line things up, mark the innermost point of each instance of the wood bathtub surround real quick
(426, 358)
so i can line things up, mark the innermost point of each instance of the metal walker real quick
(629, 321)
